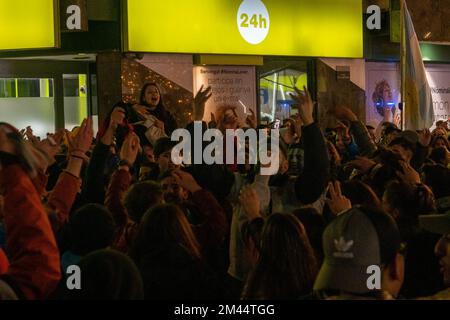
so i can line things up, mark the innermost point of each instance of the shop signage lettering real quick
(74, 20)
(253, 21)
(235, 85)
(74, 16)
(319, 28)
(374, 20)
(439, 79)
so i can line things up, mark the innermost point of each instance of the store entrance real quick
(46, 95)
(278, 78)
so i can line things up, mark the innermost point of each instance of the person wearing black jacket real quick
(312, 182)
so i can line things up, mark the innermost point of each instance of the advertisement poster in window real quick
(382, 93)
(439, 81)
(231, 87)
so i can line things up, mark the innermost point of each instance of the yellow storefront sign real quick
(319, 28)
(28, 24)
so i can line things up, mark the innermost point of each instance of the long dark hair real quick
(286, 266)
(164, 226)
(160, 112)
(315, 225)
(437, 138)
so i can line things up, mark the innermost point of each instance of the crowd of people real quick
(354, 212)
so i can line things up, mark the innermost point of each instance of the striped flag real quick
(419, 112)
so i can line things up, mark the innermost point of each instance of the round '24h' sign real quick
(253, 21)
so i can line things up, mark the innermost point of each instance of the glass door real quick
(277, 79)
(28, 102)
(75, 99)
(45, 94)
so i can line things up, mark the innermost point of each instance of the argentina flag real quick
(419, 112)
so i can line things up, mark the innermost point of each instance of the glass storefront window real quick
(7, 88)
(277, 79)
(28, 102)
(75, 99)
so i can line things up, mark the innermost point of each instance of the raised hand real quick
(52, 145)
(387, 112)
(30, 136)
(397, 119)
(363, 164)
(186, 180)
(250, 202)
(199, 102)
(337, 202)
(306, 105)
(343, 113)
(130, 148)
(213, 122)
(251, 120)
(117, 117)
(82, 141)
(334, 154)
